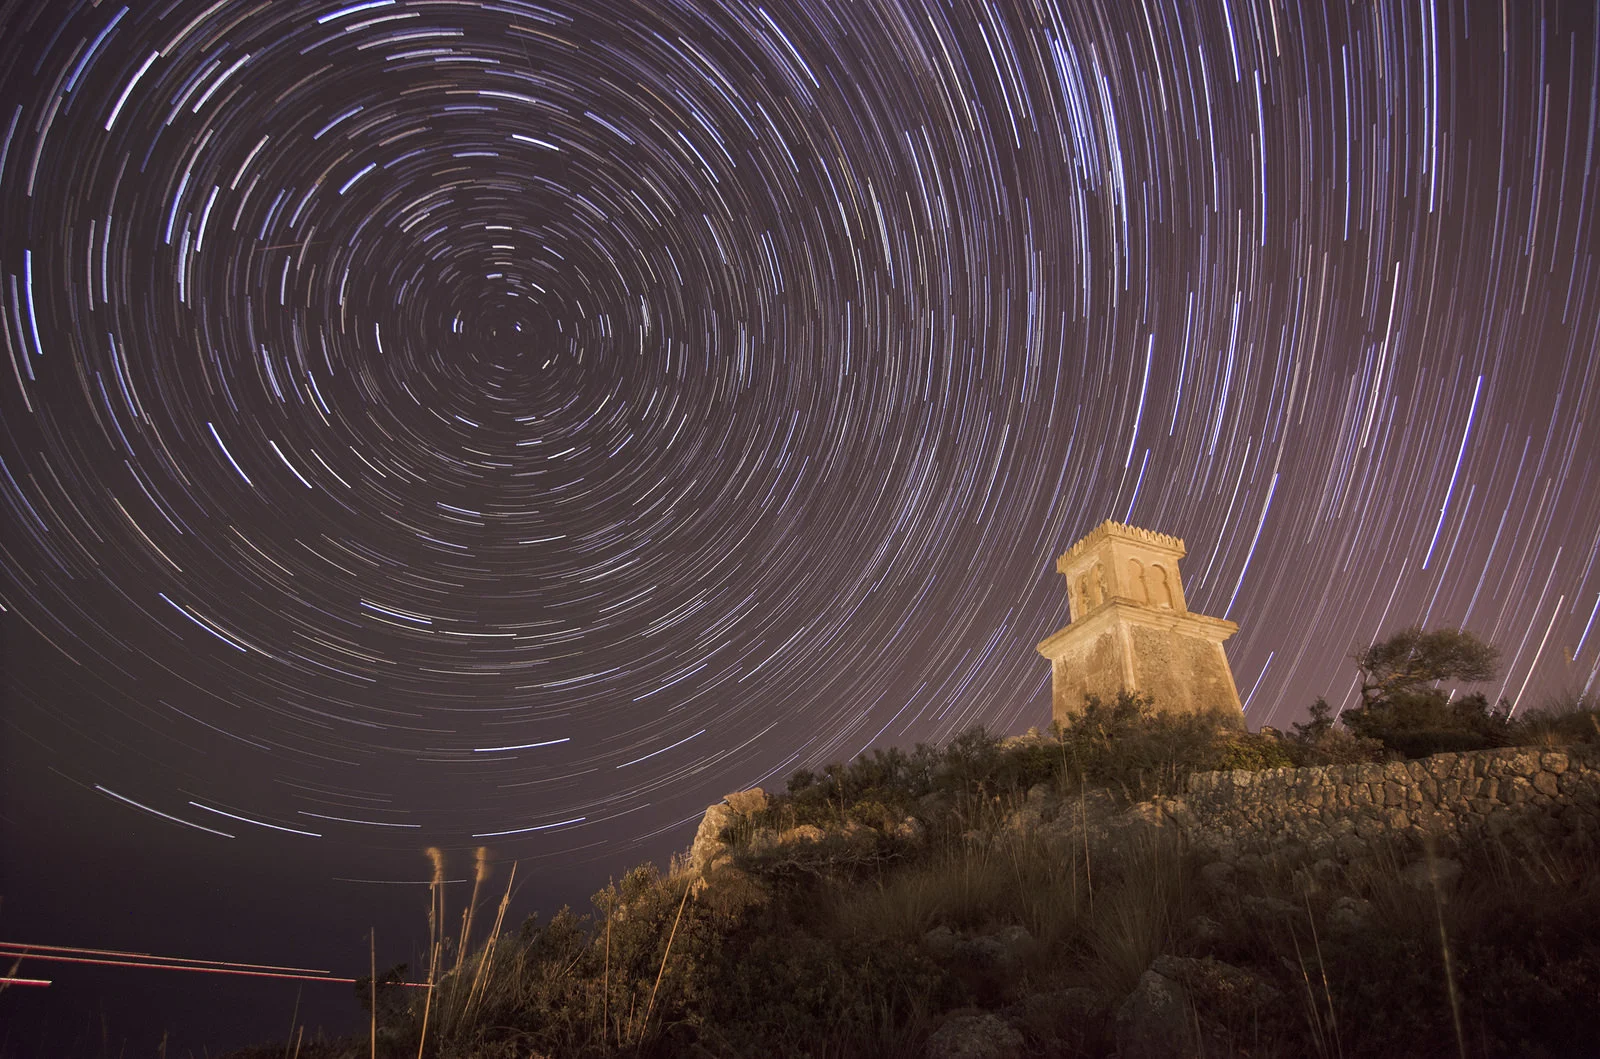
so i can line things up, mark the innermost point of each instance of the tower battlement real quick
(1109, 528)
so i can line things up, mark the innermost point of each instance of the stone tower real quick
(1131, 629)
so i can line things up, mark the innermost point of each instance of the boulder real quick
(984, 951)
(1216, 987)
(1206, 930)
(940, 942)
(911, 830)
(975, 1036)
(708, 849)
(1269, 907)
(1153, 1022)
(1003, 952)
(1349, 915)
(748, 803)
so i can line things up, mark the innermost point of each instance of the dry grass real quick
(1137, 915)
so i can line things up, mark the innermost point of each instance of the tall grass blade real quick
(645, 1025)
(486, 961)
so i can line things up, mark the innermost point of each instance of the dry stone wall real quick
(1525, 791)
(1285, 814)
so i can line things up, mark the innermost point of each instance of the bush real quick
(1319, 741)
(1128, 746)
(1419, 723)
(1253, 753)
(1125, 745)
(1559, 722)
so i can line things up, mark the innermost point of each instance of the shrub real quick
(1560, 722)
(1419, 723)
(1253, 753)
(1128, 746)
(1319, 741)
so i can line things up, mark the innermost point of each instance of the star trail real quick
(434, 420)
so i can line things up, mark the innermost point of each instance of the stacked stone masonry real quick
(1552, 793)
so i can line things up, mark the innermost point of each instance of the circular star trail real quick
(467, 421)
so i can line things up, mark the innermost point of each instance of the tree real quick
(1317, 727)
(1401, 706)
(1411, 659)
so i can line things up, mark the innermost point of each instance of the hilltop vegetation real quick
(986, 899)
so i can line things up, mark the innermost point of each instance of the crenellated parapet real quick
(1110, 528)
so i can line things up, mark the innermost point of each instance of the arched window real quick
(1162, 594)
(1137, 588)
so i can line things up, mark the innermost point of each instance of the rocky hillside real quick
(1136, 885)
(1202, 892)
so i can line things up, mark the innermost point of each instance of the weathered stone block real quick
(1521, 762)
(1432, 821)
(1546, 784)
(1553, 761)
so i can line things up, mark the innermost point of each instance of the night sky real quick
(477, 422)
